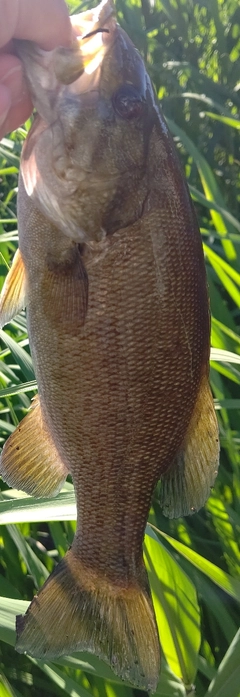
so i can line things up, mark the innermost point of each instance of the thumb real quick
(44, 21)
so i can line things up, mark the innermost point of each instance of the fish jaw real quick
(48, 72)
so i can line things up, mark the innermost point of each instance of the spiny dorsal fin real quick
(13, 295)
(29, 459)
(186, 486)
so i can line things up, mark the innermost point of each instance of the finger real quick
(9, 15)
(5, 104)
(16, 116)
(11, 77)
(43, 21)
(11, 74)
(15, 102)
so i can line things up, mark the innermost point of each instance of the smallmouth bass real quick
(111, 269)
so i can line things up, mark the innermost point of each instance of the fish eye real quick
(128, 102)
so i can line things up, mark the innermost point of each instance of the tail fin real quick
(76, 610)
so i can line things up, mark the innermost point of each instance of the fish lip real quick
(89, 21)
(95, 34)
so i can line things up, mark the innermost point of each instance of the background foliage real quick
(192, 50)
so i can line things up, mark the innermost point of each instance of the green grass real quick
(192, 50)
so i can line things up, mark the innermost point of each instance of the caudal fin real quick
(76, 610)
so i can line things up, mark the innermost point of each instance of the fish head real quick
(85, 162)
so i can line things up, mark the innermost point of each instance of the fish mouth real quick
(93, 33)
(73, 69)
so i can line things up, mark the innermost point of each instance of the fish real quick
(111, 270)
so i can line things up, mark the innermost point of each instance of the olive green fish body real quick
(118, 324)
(128, 360)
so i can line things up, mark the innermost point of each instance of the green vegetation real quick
(192, 50)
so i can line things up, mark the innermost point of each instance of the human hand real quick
(43, 21)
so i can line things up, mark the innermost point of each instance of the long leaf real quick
(176, 608)
(21, 356)
(210, 187)
(26, 508)
(17, 389)
(230, 585)
(227, 681)
(35, 567)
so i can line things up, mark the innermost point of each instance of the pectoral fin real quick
(13, 295)
(186, 486)
(29, 459)
(65, 292)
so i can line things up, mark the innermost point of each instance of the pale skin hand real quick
(43, 21)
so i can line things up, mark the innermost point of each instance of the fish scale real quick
(110, 266)
(104, 355)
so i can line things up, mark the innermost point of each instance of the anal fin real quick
(29, 459)
(13, 295)
(187, 484)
